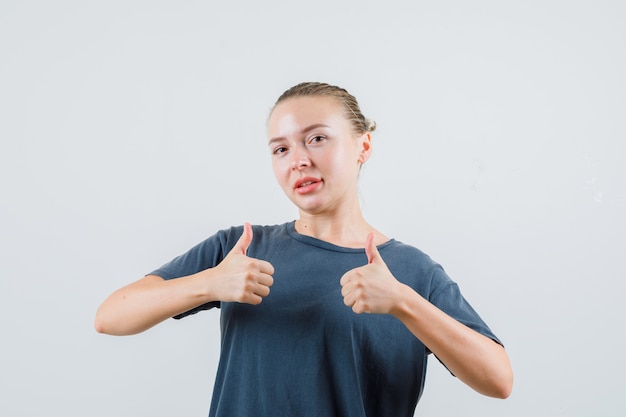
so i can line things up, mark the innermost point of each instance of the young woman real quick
(295, 339)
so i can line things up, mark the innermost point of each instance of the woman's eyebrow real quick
(303, 131)
(313, 127)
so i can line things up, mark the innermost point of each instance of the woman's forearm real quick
(147, 302)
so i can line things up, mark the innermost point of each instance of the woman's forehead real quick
(299, 111)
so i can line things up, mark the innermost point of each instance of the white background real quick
(132, 130)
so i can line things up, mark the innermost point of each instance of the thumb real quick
(373, 256)
(244, 241)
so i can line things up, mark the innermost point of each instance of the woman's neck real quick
(349, 230)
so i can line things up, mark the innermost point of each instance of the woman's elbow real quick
(502, 386)
(106, 324)
(504, 389)
(501, 376)
(99, 326)
(100, 323)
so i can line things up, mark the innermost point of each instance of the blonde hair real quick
(353, 113)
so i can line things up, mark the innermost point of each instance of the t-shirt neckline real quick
(313, 241)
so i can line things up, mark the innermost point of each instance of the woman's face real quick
(316, 155)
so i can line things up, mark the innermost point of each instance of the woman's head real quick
(352, 111)
(318, 139)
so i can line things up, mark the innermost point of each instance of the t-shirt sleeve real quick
(447, 296)
(206, 254)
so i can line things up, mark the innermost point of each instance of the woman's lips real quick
(306, 185)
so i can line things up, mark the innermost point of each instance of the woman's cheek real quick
(281, 173)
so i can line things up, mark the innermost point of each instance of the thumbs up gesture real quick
(243, 279)
(370, 288)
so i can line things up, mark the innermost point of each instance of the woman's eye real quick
(279, 150)
(317, 139)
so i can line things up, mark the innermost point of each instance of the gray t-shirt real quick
(302, 351)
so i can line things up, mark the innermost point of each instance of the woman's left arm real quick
(474, 358)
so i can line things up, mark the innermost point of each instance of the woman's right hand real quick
(240, 278)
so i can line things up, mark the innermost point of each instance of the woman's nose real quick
(300, 160)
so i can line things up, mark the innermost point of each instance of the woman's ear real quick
(365, 147)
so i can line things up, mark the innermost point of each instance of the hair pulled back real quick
(360, 123)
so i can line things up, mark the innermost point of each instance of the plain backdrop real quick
(132, 130)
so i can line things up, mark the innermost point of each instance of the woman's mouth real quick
(307, 185)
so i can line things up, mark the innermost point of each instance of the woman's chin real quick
(309, 207)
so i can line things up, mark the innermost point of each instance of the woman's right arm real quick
(147, 302)
(150, 300)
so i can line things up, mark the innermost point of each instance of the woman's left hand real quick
(370, 288)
